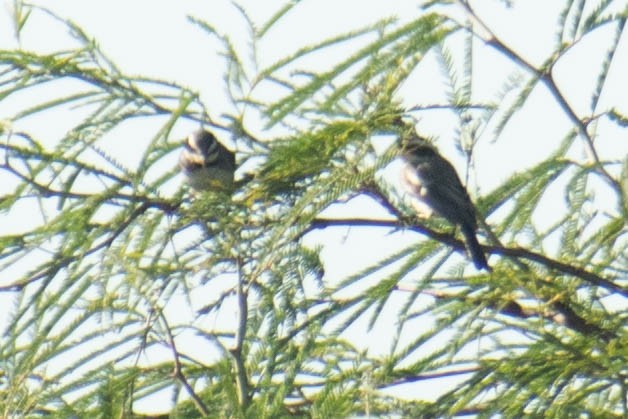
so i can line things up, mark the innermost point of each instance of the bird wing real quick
(444, 192)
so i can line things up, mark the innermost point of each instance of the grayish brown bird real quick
(207, 164)
(433, 184)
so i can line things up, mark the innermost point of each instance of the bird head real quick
(416, 145)
(201, 148)
(207, 164)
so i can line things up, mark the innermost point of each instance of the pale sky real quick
(154, 38)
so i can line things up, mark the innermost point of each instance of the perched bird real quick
(207, 164)
(432, 181)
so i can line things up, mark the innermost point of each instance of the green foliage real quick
(122, 293)
(292, 161)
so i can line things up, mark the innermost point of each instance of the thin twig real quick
(544, 75)
(434, 375)
(236, 351)
(178, 371)
(557, 312)
(59, 262)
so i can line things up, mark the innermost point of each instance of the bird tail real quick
(474, 248)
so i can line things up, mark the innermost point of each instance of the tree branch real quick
(545, 75)
(236, 351)
(178, 371)
(431, 376)
(557, 312)
(447, 239)
(47, 192)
